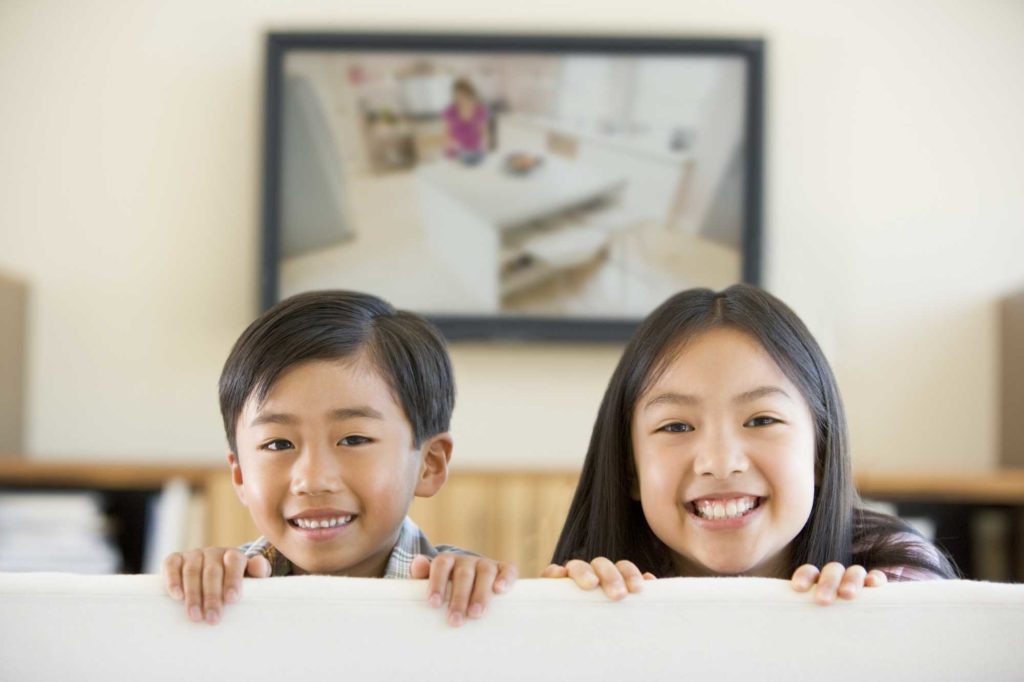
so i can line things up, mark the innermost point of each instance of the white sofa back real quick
(83, 628)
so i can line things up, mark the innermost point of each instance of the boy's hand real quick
(208, 578)
(835, 579)
(474, 580)
(617, 580)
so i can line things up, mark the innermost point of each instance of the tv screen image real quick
(539, 187)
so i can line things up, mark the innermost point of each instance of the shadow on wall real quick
(13, 352)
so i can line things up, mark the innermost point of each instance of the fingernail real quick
(195, 614)
(500, 586)
(455, 618)
(212, 617)
(176, 593)
(591, 580)
(475, 611)
(231, 596)
(434, 600)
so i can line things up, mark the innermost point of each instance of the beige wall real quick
(129, 180)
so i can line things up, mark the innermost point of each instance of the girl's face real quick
(724, 453)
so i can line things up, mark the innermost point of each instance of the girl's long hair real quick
(604, 519)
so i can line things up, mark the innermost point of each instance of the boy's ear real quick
(236, 476)
(436, 452)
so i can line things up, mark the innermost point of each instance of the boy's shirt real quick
(411, 541)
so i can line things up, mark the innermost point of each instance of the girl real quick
(720, 448)
(467, 119)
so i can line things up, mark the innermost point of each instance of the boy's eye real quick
(762, 421)
(353, 440)
(278, 444)
(676, 427)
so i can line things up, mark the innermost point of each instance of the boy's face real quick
(327, 467)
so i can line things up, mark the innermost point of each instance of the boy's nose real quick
(720, 455)
(316, 471)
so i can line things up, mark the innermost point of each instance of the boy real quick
(336, 408)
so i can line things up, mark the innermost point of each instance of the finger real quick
(463, 577)
(804, 577)
(483, 588)
(507, 574)
(853, 581)
(631, 575)
(213, 583)
(650, 576)
(234, 568)
(828, 582)
(583, 574)
(555, 571)
(258, 567)
(611, 580)
(440, 569)
(191, 577)
(172, 575)
(875, 578)
(420, 567)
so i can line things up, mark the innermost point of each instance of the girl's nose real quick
(720, 455)
(316, 471)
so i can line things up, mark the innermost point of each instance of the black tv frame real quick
(752, 50)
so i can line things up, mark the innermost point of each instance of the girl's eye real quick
(354, 440)
(278, 444)
(676, 427)
(762, 421)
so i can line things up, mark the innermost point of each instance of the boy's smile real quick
(327, 466)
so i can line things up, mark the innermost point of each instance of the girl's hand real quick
(835, 579)
(206, 579)
(474, 580)
(617, 580)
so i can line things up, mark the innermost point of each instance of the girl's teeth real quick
(724, 509)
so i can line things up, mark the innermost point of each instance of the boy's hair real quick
(408, 351)
(604, 520)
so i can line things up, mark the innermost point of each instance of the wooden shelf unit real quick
(508, 515)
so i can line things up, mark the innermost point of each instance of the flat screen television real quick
(531, 187)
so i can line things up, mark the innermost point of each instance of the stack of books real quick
(58, 531)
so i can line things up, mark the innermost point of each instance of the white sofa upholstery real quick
(70, 627)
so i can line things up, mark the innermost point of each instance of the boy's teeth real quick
(724, 509)
(311, 524)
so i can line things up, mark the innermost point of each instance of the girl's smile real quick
(724, 511)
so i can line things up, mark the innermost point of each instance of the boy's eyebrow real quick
(365, 411)
(340, 414)
(672, 398)
(273, 418)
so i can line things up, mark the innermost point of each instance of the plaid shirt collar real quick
(411, 541)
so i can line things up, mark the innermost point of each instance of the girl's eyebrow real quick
(672, 398)
(759, 392)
